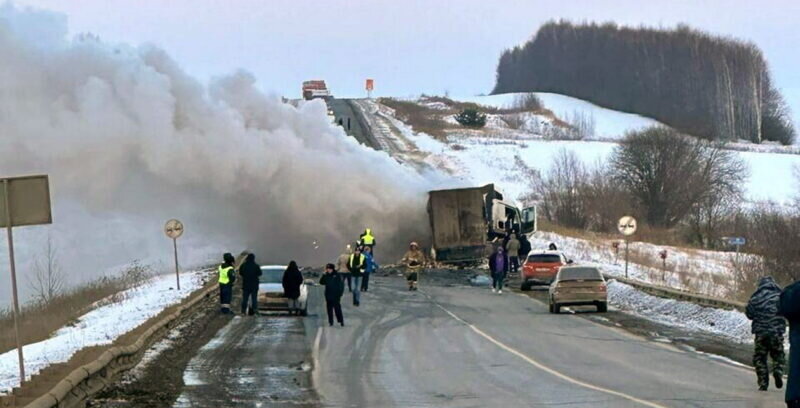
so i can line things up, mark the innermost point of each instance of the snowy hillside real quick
(499, 154)
(609, 124)
(100, 326)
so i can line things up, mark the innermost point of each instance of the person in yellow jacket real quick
(413, 260)
(357, 264)
(227, 275)
(367, 240)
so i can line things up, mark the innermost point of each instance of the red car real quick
(541, 268)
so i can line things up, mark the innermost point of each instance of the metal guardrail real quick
(91, 378)
(671, 293)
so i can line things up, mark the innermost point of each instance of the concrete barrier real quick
(671, 293)
(82, 383)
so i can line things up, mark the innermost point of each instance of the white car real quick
(270, 291)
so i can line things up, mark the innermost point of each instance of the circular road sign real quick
(627, 225)
(174, 229)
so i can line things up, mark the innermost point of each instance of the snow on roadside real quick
(706, 272)
(100, 326)
(732, 324)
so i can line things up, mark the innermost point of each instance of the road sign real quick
(663, 254)
(736, 241)
(370, 85)
(23, 201)
(174, 230)
(627, 225)
(28, 200)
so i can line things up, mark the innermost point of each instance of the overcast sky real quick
(409, 46)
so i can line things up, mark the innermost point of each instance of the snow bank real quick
(100, 326)
(609, 124)
(732, 324)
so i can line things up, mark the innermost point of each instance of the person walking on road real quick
(250, 271)
(769, 329)
(512, 249)
(227, 275)
(498, 265)
(413, 260)
(372, 266)
(292, 279)
(357, 264)
(789, 307)
(341, 266)
(334, 290)
(367, 240)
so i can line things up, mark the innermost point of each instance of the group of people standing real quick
(250, 272)
(770, 307)
(354, 267)
(506, 258)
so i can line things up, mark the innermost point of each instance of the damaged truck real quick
(465, 221)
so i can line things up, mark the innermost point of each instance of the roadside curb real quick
(91, 378)
(671, 293)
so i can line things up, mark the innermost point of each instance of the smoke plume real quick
(130, 140)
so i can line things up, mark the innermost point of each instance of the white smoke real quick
(130, 140)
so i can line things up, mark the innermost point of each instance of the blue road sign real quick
(736, 241)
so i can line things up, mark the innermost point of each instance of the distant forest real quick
(710, 87)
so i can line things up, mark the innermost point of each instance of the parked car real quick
(270, 291)
(541, 267)
(578, 286)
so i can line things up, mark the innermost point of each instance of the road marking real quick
(546, 368)
(315, 357)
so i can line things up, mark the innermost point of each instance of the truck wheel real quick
(524, 286)
(602, 307)
(556, 308)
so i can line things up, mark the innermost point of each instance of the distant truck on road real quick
(465, 220)
(316, 89)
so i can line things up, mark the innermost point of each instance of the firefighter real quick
(413, 260)
(367, 240)
(227, 275)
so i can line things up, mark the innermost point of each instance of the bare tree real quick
(47, 280)
(562, 189)
(669, 174)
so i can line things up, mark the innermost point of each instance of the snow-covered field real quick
(609, 124)
(100, 326)
(492, 156)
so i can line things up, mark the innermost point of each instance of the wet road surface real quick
(461, 347)
(254, 361)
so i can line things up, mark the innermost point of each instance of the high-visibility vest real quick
(352, 257)
(223, 275)
(368, 239)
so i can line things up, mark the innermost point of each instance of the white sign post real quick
(626, 227)
(23, 201)
(174, 230)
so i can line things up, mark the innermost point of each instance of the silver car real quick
(578, 286)
(270, 291)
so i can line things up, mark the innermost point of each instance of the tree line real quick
(711, 87)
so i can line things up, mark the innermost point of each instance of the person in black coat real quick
(334, 290)
(250, 271)
(292, 279)
(524, 248)
(789, 307)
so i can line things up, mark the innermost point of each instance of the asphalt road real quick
(459, 346)
(343, 110)
(453, 346)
